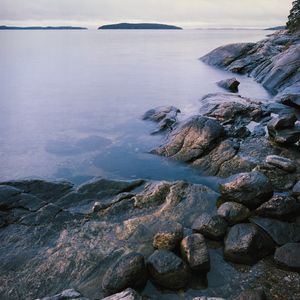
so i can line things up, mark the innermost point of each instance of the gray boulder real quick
(288, 256)
(168, 236)
(127, 272)
(231, 84)
(168, 270)
(282, 162)
(211, 226)
(233, 212)
(194, 251)
(247, 244)
(250, 189)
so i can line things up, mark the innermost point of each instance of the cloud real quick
(196, 13)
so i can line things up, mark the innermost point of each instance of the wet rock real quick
(282, 163)
(66, 294)
(192, 139)
(282, 122)
(194, 251)
(128, 294)
(288, 256)
(285, 136)
(168, 236)
(247, 244)
(212, 227)
(231, 84)
(281, 232)
(250, 189)
(128, 272)
(296, 190)
(165, 116)
(279, 207)
(253, 294)
(233, 212)
(290, 96)
(168, 270)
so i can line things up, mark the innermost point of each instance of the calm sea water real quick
(72, 101)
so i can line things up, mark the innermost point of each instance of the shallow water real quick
(71, 101)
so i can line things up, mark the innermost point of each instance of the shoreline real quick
(53, 229)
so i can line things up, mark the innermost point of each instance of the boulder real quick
(253, 294)
(282, 163)
(128, 294)
(279, 207)
(168, 236)
(233, 212)
(127, 272)
(168, 270)
(194, 138)
(250, 189)
(281, 232)
(282, 122)
(211, 226)
(231, 84)
(247, 244)
(194, 251)
(165, 116)
(285, 136)
(296, 190)
(288, 256)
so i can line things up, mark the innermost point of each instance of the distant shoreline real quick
(42, 28)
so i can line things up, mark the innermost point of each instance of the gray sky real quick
(186, 13)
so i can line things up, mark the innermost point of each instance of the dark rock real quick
(279, 207)
(168, 270)
(233, 212)
(212, 227)
(128, 272)
(282, 163)
(285, 136)
(247, 244)
(281, 232)
(253, 294)
(250, 189)
(231, 84)
(192, 139)
(128, 294)
(194, 251)
(282, 122)
(288, 256)
(296, 190)
(168, 236)
(165, 116)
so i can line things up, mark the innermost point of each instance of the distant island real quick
(148, 26)
(276, 28)
(3, 27)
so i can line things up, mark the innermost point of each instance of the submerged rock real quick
(194, 251)
(233, 212)
(212, 227)
(231, 84)
(250, 189)
(128, 272)
(288, 256)
(247, 244)
(168, 270)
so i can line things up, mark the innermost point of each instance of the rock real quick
(192, 139)
(64, 295)
(255, 294)
(281, 232)
(168, 270)
(282, 163)
(290, 96)
(207, 298)
(234, 212)
(286, 136)
(279, 207)
(231, 84)
(296, 190)
(247, 244)
(250, 189)
(127, 272)
(128, 294)
(168, 236)
(282, 122)
(194, 251)
(165, 116)
(212, 227)
(288, 256)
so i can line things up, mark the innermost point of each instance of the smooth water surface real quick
(72, 101)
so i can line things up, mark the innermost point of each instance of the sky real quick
(185, 13)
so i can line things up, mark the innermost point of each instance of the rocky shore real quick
(142, 239)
